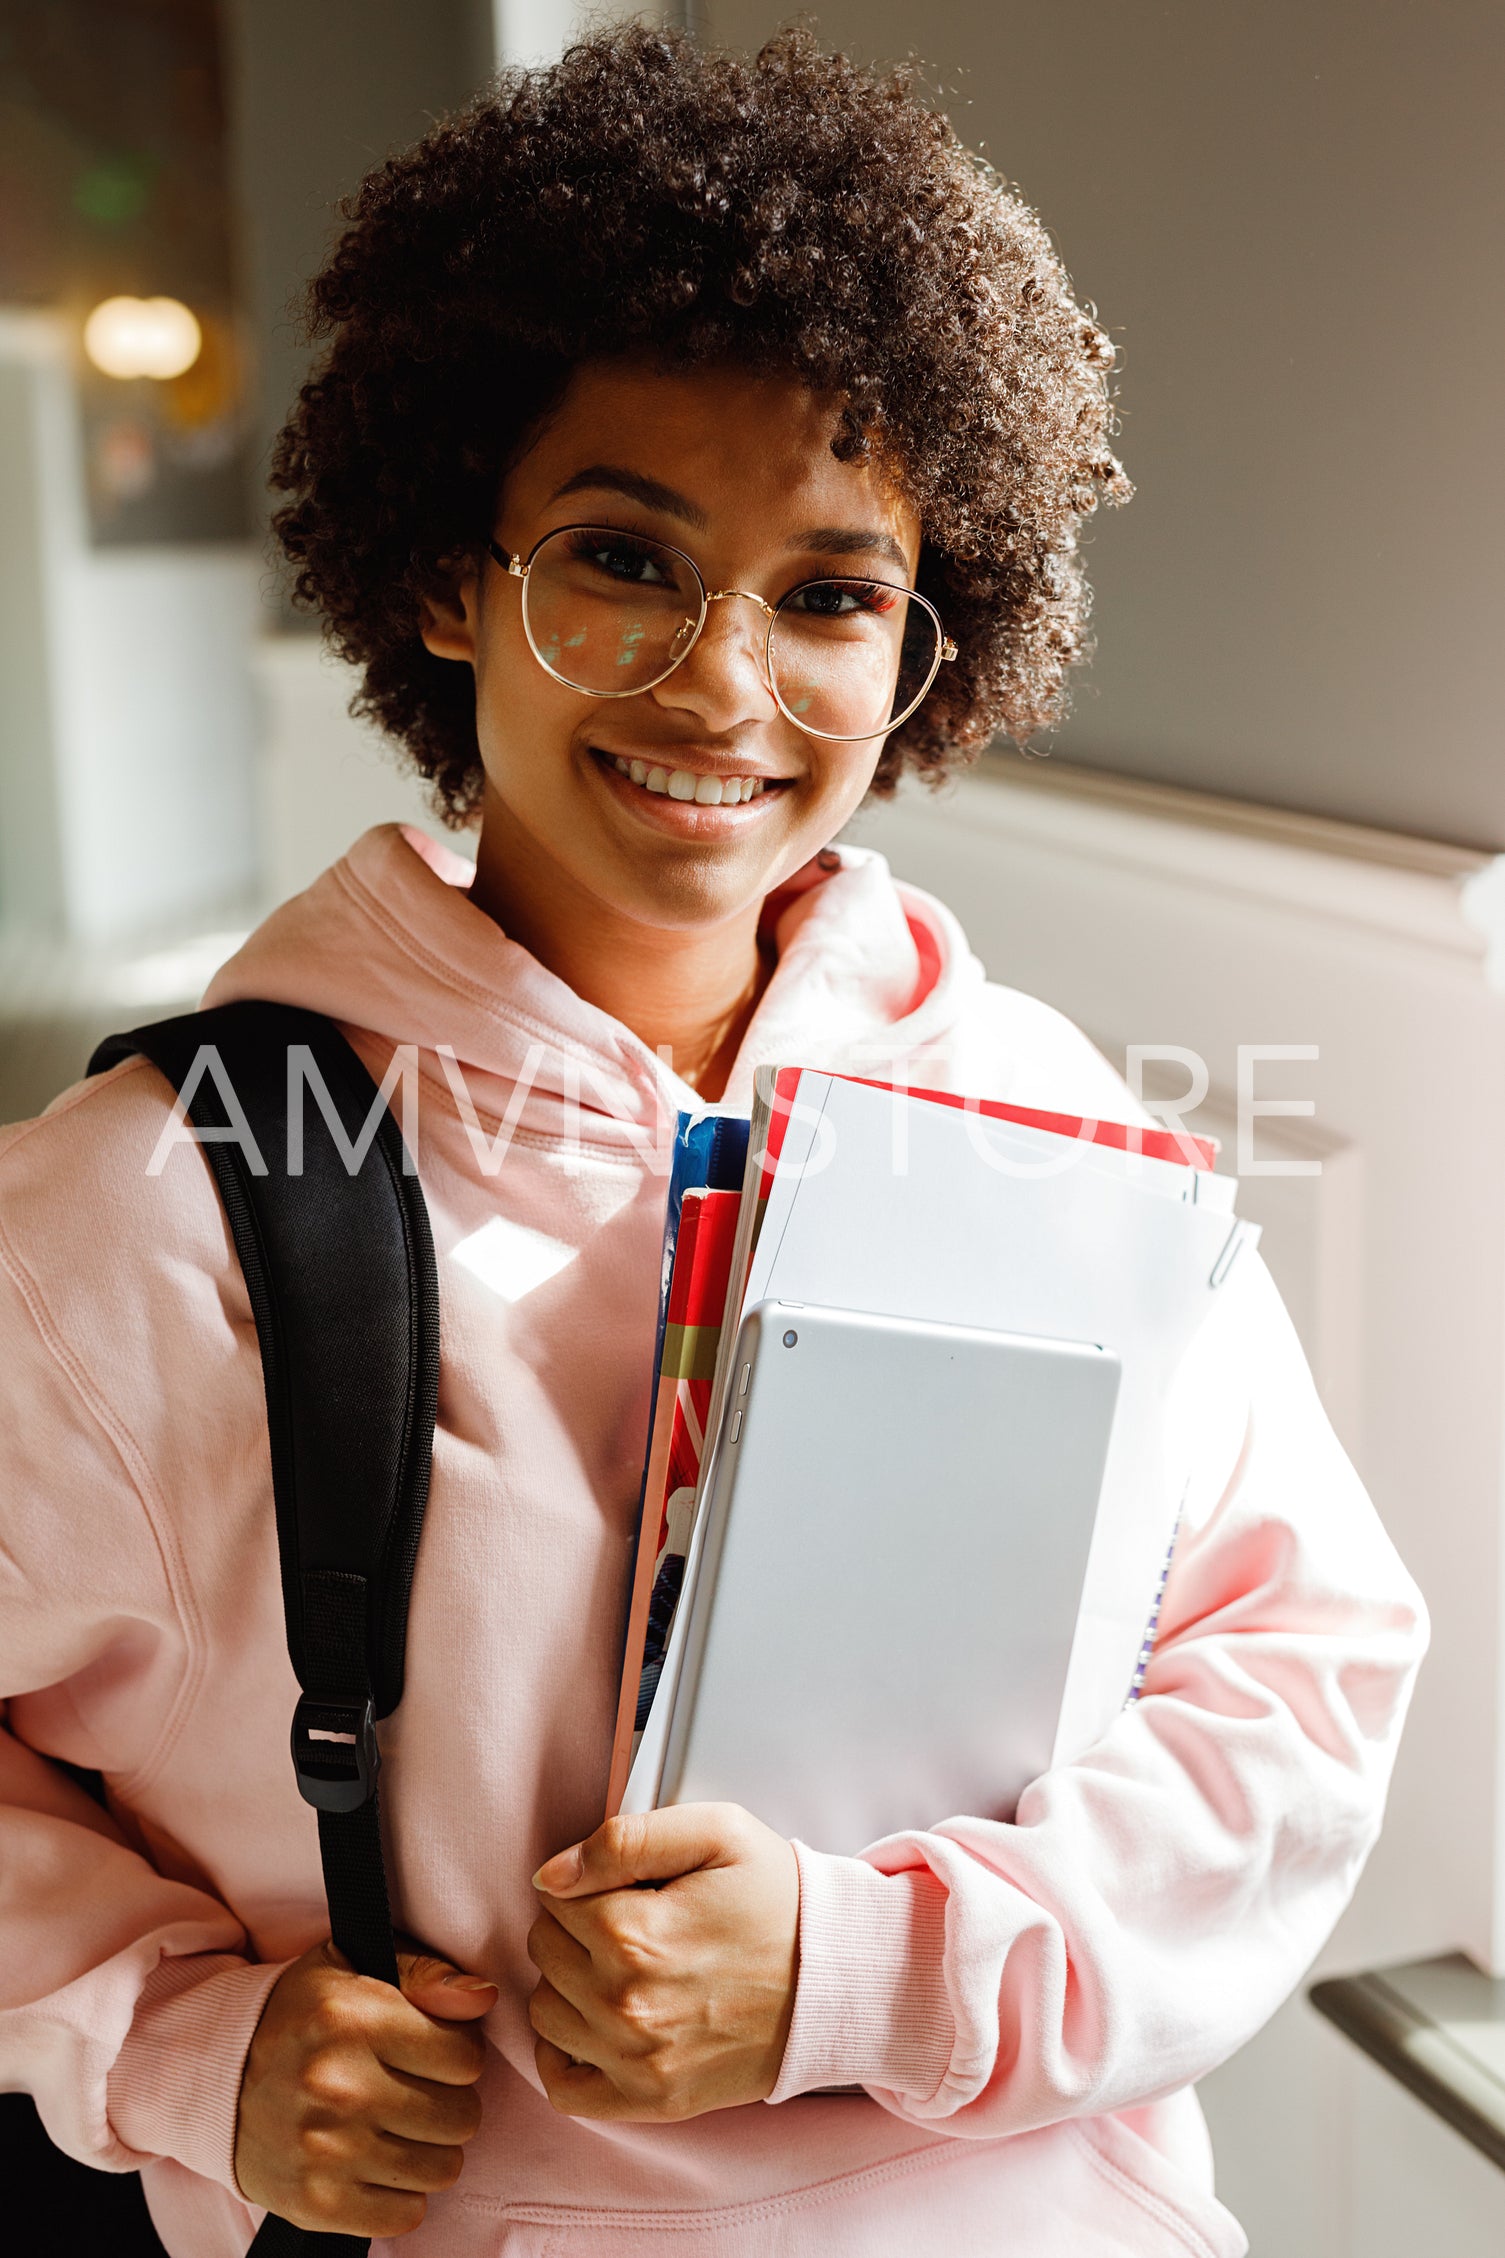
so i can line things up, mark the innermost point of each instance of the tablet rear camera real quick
(790, 1339)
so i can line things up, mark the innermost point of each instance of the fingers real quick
(651, 1846)
(575, 2007)
(439, 1988)
(341, 2007)
(399, 2035)
(333, 2206)
(415, 2110)
(562, 1958)
(554, 2019)
(624, 1934)
(367, 2183)
(576, 2089)
(357, 2101)
(679, 1994)
(453, 2057)
(420, 2166)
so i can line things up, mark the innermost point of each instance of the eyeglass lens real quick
(610, 612)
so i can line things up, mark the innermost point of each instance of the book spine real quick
(650, 1509)
(692, 1338)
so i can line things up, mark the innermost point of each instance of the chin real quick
(688, 892)
(690, 909)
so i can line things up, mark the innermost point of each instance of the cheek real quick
(841, 775)
(524, 720)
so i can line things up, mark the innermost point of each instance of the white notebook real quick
(890, 1574)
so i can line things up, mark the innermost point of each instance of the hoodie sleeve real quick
(106, 1965)
(1152, 1903)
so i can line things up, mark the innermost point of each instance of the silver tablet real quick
(896, 1538)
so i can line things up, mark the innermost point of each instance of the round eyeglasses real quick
(611, 614)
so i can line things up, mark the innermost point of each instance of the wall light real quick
(142, 337)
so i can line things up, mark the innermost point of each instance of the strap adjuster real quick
(334, 1753)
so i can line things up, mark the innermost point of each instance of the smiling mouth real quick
(687, 785)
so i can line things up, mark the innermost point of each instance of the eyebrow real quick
(851, 541)
(652, 494)
(633, 486)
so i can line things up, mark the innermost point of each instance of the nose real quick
(724, 679)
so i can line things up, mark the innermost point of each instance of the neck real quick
(687, 993)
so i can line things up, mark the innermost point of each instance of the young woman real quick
(764, 346)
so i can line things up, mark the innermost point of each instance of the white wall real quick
(1322, 2155)
(34, 442)
(321, 778)
(156, 774)
(127, 722)
(535, 31)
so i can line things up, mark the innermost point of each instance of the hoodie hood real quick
(387, 943)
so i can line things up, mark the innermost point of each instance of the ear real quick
(448, 623)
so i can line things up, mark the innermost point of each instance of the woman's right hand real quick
(357, 2100)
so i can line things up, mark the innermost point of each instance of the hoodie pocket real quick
(1191, 2216)
(1072, 2190)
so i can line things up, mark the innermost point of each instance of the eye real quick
(622, 558)
(843, 599)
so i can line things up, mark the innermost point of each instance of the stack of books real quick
(907, 1508)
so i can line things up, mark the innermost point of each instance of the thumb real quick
(648, 1846)
(443, 1990)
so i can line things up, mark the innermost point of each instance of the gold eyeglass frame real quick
(518, 568)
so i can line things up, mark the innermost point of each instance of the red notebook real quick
(1125, 1136)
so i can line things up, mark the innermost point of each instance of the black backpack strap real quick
(339, 1265)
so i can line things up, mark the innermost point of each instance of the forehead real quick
(756, 447)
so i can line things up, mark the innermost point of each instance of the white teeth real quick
(684, 784)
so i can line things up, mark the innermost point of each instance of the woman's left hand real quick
(657, 2004)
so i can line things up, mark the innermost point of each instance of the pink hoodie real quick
(1026, 2005)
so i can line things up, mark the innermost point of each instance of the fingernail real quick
(558, 1872)
(470, 1983)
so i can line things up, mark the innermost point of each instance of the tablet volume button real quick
(736, 1425)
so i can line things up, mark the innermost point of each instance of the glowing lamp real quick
(142, 337)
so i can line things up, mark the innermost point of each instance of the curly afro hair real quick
(793, 212)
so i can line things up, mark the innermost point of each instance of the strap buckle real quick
(334, 1753)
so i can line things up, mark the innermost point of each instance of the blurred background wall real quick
(317, 96)
(126, 731)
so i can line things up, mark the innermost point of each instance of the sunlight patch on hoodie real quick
(512, 1259)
